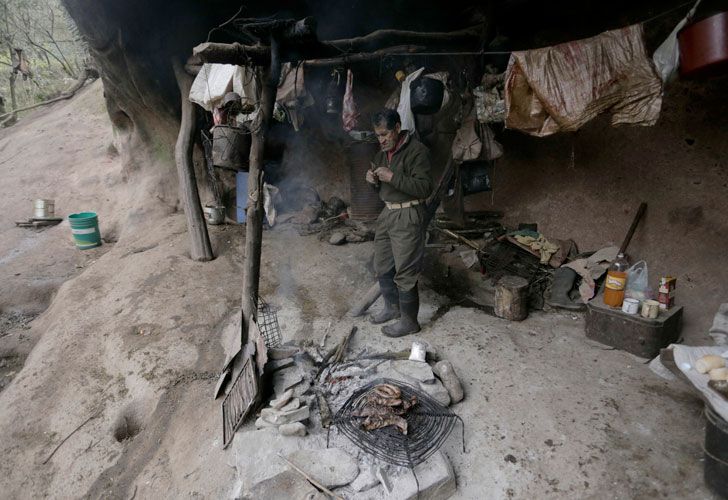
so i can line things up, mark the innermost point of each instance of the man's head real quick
(387, 125)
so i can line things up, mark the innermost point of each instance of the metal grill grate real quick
(239, 401)
(267, 321)
(429, 424)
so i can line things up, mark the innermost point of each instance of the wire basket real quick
(267, 321)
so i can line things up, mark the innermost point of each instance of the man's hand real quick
(371, 177)
(384, 174)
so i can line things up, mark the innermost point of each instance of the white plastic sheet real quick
(404, 109)
(211, 84)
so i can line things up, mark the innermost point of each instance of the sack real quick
(638, 284)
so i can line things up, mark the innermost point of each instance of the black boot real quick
(409, 304)
(390, 294)
(563, 283)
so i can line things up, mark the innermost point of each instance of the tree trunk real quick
(511, 298)
(200, 249)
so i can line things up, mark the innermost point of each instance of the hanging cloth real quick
(560, 88)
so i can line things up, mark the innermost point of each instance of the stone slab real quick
(366, 480)
(415, 370)
(293, 429)
(282, 400)
(332, 467)
(437, 392)
(287, 484)
(436, 478)
(450, 380)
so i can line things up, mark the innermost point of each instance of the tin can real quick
(650, 309)
(43, 209)
(666, 292)
(631, 306)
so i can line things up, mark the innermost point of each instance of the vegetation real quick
(41, 53)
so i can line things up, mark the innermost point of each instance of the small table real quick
(640, 336)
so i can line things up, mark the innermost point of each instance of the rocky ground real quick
(109, 357)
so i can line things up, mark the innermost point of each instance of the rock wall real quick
(588, 185)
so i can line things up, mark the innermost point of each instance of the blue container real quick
(241, 196)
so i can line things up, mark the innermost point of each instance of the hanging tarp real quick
(560, 88)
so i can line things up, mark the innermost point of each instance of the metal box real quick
(631, 332)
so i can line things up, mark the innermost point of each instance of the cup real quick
(650, 309)
(631, 306)
(419, 352)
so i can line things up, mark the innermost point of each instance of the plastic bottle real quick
(616, 281)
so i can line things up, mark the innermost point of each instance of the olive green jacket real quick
(411, 167)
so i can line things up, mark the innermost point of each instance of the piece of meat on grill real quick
(373, 399)
(378, 422)
(387, 391)
(377, 411)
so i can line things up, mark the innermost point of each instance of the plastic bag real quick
(667, 55)
(638, 284)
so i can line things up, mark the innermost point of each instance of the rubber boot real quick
(409, 305)
(563, 283)
(390, 294)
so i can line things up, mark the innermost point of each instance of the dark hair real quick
(387, 117)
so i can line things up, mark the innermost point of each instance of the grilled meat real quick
(376, 422)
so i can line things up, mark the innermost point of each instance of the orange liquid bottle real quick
(616, 281)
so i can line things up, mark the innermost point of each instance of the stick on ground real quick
(310, 479)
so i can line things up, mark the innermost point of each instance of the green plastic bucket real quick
(85, 230)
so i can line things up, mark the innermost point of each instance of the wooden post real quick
(200, 249)
(254, 219)
(511, 298)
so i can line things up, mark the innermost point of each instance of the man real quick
(401, 170)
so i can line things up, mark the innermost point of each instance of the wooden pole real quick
(200, 249)
(254, 219)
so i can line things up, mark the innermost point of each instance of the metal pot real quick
(215, 215)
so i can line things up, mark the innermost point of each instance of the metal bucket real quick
(43, 209)
(715, 470)
(215, 215)
(230, 147)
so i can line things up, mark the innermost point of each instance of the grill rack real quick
(267, 321)
(429, 425)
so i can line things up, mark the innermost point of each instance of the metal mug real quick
(631, 306)
(650, 309)
(419, 351)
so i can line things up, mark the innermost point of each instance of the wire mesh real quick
(428, 423)
(239, 401)
(267, 321)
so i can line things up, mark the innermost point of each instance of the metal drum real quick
(365, 202)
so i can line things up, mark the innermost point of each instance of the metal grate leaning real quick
(429, 424)
(267, 321)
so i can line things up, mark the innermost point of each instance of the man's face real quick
(387, 138)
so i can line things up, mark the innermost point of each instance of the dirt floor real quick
(109, 357)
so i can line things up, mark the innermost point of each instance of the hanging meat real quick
(349, 114)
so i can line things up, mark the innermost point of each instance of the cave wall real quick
(679, 168)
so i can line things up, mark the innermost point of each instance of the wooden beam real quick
(236, 53)
(255, 212)
(200, 249)
(365, 56)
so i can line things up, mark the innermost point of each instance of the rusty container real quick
(704, 47)
(365, 202)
